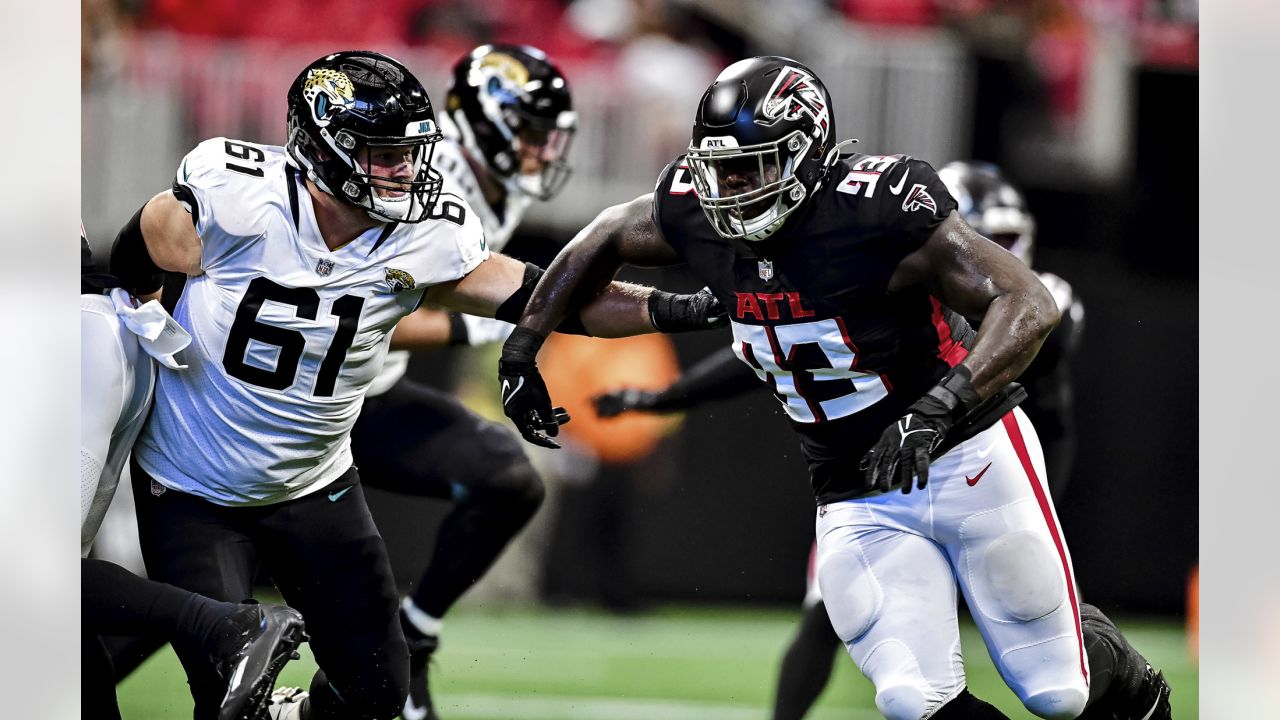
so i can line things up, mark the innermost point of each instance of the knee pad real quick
(1059, 703)
(902, 702)
(1024, 575)
(851, 592)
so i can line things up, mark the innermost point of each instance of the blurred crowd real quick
(1052, 31)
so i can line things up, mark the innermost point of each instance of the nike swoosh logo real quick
(413, 712)
(974, 480)
(506, 384)
(897, 189)
(336, 496)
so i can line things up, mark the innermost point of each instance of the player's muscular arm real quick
(159, 237)
(618, 310)
(977, 278)
(423, 329)
(621, 234)
(171, 237)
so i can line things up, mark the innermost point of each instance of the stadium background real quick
(1088, 105)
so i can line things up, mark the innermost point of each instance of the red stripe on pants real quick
(1019, 446)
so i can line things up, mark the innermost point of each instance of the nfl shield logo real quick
(324, 267)
(766, 269)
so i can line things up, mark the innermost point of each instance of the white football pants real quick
(888, 565)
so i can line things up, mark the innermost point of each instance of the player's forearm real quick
(622, 310)
(424, 329)
(578, 276)
(1015, 325)
(718, 376)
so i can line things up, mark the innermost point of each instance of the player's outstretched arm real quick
(159, 237)
(622, 234)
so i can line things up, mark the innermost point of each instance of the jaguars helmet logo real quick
(327, 90)
(399, 280)
(507, 70)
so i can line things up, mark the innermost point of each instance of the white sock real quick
(421, 621)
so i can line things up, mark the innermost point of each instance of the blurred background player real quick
(507, 125)
(997, 211)
(248, 644)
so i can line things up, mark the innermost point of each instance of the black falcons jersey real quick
(810, 307)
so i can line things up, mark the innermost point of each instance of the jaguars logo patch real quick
(399, 280)
(326, 89)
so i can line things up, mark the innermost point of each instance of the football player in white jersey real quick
(507, 126)
(300, 261)
(120, 342)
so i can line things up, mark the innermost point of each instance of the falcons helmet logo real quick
(795, 93)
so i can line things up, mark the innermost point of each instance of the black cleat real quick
(1153, 697)
(1134, 694)
(421, 647)
(255, 646)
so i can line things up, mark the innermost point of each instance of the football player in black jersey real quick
(848, 281)
(998, 212)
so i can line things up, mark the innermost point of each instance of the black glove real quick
(905, 447)
(619, 401)
(672, 313)
(524, 395)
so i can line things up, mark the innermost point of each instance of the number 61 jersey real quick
(810, 307)
(287, 335)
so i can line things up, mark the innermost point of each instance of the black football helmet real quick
(991, 206)
(512, 111)
(762, 144)
(350, 110)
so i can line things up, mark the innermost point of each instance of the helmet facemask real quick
(540, 149)
(1009, 227)
(747, 192)
(409, 193)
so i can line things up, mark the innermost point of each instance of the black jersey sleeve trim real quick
(291, 180)
(382, 237)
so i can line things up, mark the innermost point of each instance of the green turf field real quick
(670, 664)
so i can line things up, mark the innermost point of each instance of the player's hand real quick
(524, 394)
(617, 402)
(670, 313)
(904, 447)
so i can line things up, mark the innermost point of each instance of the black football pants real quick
(416, 440)
(329, 563)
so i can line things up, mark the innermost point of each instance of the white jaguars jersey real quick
(288, 335)
(451, 161)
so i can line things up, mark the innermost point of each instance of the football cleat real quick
(1154, 696)
(421, 647)
(261, 639)
(286, 704)
(1134, 694)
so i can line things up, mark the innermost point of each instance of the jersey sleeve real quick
(673, 201)
(916, 202)
(203, 185)
(473, 248)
